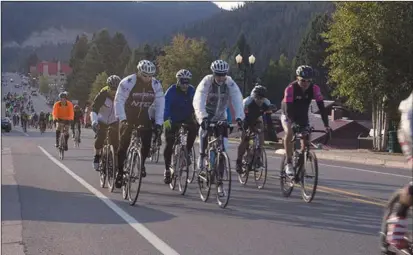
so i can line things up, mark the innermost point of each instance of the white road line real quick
(139, 227)
(359, 169)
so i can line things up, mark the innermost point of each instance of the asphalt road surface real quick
(64, 210)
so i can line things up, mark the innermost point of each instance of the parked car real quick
(6, 124)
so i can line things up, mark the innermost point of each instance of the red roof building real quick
(52, 68)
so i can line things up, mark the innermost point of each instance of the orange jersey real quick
(64, 112)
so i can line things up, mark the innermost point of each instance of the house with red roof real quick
(56, 72)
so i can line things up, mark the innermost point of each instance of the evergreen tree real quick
(97, 85)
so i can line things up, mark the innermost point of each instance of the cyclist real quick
(254, 107)
(178, 109)
(134, 96)
(102, 116)
(63, 114)
(398, 223)
(50, 120)
(24, 118)
(42, 121)
(211, 100)
(78, 115)
(295, 105)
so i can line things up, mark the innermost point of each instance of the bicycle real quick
(180, 160)
(215, 158)
(42, 127)
(385, 247)
(192, 157)
(132, 161)
(155, 150)
(108, 164)
(251, 160)
(76, 139)
(299, 162)
(62, 140)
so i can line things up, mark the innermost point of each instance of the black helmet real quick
(113, 82)
(305, 72)
(258, 91)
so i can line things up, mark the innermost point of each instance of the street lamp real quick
(250, 65)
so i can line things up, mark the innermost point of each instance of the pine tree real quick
(97, 85)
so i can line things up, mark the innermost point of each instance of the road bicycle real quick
(180, 168)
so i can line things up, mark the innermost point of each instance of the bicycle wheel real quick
(158, 148)
(204, 181)
(286, 184)
(62, 146)
(135, 177)
(243, 177)
(260, 174)
(307, 191)
(191, 176)
(102, 167)
(111, 168)
(76, 139)
(175, 163)
(223, 179)
(126, 165)
(183, 170)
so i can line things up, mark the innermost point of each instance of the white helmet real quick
(146, 67)
(219, 67)
(183, 74)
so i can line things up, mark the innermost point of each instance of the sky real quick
(227, 5)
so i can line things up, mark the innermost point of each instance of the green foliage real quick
(184, 53)
(44, 85)
(97, 85)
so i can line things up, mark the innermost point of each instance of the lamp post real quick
(246, 67)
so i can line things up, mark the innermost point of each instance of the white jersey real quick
(405, 132)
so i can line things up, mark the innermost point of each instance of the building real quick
(56, 72)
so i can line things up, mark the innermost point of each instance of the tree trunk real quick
(374, 122)
(386, 130)
(380, 126)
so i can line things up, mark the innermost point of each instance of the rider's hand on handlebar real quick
(204, 124)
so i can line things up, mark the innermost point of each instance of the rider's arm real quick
(55, 111)
(98, 102)
(246, 102)
(159, 101)
(289, 102)
(200, 96)
(168, 97)
(320, 103)
(236, 98)
(122, 94)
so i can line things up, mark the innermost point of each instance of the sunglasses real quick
(305, 80)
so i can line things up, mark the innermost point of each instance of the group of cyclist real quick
(138, 99)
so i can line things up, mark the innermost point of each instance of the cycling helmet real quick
(258, 90)
(405, 131)
(183, 74)
(146, 67)
(305, 72)
(219, 67)
(113, 82)
(76, 107)
(62, 95)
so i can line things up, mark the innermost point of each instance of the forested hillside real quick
(270, 28)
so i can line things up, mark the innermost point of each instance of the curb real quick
(11, 230)
(358, 160)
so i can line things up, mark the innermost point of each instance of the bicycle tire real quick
(243, 177)
(263, 172)
(183, 170)
(286, 191)
(204, 182)
(111, 168)
(228, 174)
(102, 167)
(158, 149)
(309, 197)
(126, 165)
(135, 163)
(175, 160)
(77, 137)
(194, 166)
(62, 146)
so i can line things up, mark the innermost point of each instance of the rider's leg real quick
(124, 141)
(99, 143)
(58, 127)
(241, 150)
(203, 143)
(287, 144)
(146, 138)
(66, 130)
(72, 127)
(167, 154)
(192, 132)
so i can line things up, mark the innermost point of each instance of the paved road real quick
(64, 211)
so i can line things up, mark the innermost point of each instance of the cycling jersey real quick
(178, 104)
(212, 100)
(134, 98)
(253, 111)
(63, 112)
(405, 132)
(296, 103)
(103, 109)
(77, 115)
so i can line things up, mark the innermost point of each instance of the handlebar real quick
(301, 133)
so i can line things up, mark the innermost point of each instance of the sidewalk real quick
(365, 157)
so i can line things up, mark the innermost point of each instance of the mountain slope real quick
(271, 28)
(138, 21)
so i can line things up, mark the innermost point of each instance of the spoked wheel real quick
(62, 147)
(183, 171)
(135, 178)
(243, 177)
(309, 174)
(286, 184)
(204, 182)
(223, 180)
(175, 160)
(111, 168)
(260, 172)
(126, 165)
(193, 166)
(103, 167)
